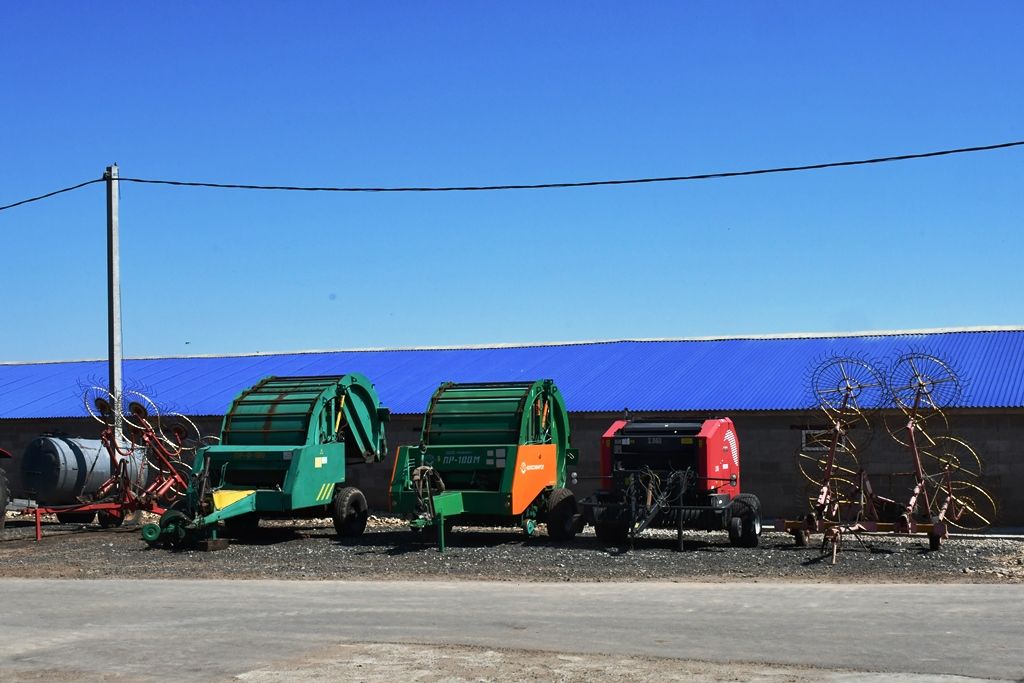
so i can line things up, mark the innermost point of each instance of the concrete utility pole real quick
(113, 299)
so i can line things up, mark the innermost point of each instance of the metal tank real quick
(61, 470)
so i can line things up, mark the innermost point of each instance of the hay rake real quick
(148, 464)
(943, 489)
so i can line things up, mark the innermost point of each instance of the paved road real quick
(189, 630)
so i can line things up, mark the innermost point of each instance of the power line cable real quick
(542, 186)
(51, 194)
(585, 183)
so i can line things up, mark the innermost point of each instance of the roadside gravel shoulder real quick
(309, 550)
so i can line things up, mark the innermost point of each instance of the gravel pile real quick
(309, 549)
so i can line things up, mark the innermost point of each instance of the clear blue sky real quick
(434, 94)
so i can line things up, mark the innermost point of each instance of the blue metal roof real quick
(681, 375)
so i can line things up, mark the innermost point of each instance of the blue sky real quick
(471, 93)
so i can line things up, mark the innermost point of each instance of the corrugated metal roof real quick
(649, 376)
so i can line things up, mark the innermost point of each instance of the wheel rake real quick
(148, 461)
(944, 489)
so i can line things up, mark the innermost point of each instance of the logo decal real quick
(730, 438)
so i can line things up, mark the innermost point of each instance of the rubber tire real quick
(560, 514)
(735, 531)
(76, 517)
(4, 498)
(800, 538)
(109, 520)
(752, 525)
(934, 542)
(745, 507)
(242, 527)
(151, 534)
(615, 533)
(350, 512)
(172, 515)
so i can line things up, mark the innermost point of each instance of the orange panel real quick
(536, 469)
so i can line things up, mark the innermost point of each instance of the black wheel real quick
(242, 527)
(350, 511)
(4, 493)
(561, 514)
(612, 532)
(110, 519)
(735, 531)
(172, 527)
(745, 521)
(934, 542)
(799, 538)
(76, 517)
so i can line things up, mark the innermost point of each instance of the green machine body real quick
(490, 454)
(285, 445)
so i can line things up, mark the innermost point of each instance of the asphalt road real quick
(202, 630)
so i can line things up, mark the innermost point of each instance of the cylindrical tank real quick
(60, 470)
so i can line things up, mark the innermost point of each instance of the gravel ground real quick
(308, 549)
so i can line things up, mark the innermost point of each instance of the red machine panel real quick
(719, 456)
(606, 453)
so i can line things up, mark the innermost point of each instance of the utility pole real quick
(114, 299)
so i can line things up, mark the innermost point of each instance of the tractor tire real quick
(615, 533)
(745, 521)
(561, 514)
(243, 527)
(350, 512)
(4, 496)
(76, 517)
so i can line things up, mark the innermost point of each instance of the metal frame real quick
(643, 506)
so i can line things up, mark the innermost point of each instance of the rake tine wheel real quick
(142, 413)
(847, 390)
(98, 403)
(946, 468)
